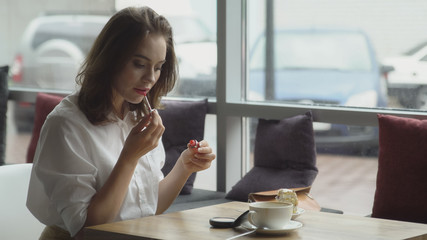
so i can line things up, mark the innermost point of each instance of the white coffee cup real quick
(271, 215)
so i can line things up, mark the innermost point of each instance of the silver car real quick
(52, 49)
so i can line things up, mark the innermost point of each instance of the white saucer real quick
(291, 226)
(298, 213)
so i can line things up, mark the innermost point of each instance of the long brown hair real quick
(112, 49)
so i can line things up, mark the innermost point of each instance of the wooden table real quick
(194, 224)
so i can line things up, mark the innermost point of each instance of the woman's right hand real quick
(144, 137)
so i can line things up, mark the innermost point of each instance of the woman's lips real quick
(141, 91)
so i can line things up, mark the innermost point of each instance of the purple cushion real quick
(284, 157)
(401, 191)
(45, 103)
(183, 121)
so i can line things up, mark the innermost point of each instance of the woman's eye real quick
(159, 68)
(139, 65)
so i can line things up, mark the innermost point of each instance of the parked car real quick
(408, 81)
(52, 49)
(335, 67)
(54, 46)
(50, 53)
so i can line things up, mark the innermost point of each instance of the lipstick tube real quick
(194, 145)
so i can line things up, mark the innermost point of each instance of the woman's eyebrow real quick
(146, 58)
(142, 56)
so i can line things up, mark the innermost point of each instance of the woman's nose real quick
(150, 75)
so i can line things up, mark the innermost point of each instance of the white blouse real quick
(73, 160)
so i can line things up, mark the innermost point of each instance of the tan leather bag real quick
(305, 200)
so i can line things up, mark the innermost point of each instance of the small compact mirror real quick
(227, 222)
(222, 222)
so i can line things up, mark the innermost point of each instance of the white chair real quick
(16, 221)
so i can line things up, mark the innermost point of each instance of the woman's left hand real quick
(199, 159)
(189, 161)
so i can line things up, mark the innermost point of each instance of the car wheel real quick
(421, 99)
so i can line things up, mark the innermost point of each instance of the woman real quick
(99, 156)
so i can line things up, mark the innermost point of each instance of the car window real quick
(82, 34)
